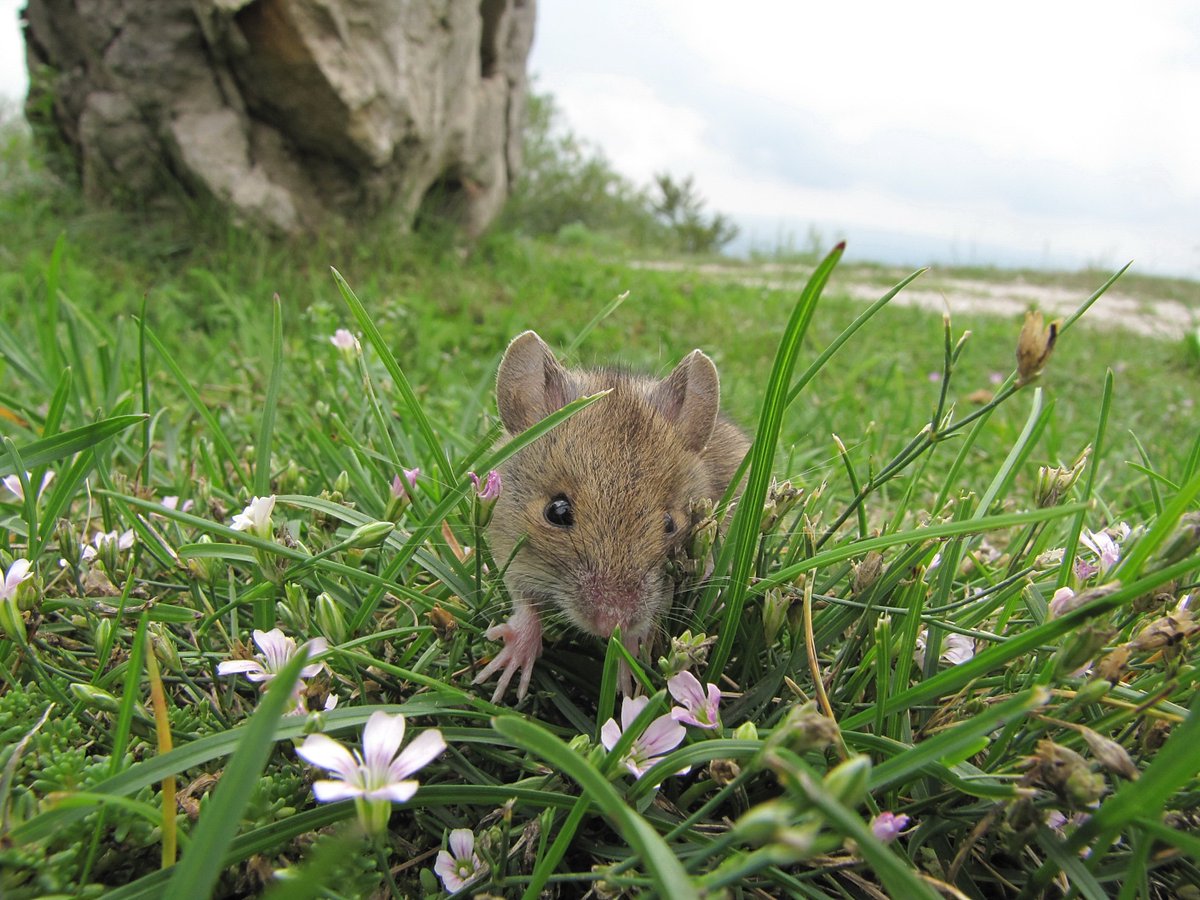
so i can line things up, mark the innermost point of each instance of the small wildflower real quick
(1107, 551)
(403, 484)
(887, 826)
(699, 702)
(934, 377)
(956, 649)
(172, 502)
(487, 492)
(661, 736)
(256, 518)
(995, 378)
(1061, 602)
(277, 650)
(12, 484)
(379, 776)
(18, 573)
(460, 865)
(346, 343)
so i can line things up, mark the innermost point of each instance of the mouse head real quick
(602, 499)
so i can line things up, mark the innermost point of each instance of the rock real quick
(290, 112)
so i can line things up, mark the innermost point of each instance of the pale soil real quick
(1141, 314)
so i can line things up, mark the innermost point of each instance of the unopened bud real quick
(747, 731)
(369, 534)
(162, 644)
(94, 697)
(330, 621)
(1183, 542)
(12, 623)
(68, 542)
(1053, 482)
(804, 728)
(760, 824)
(774, 614)
(704, 535)
(102, 631)
(1110, 754)
(341, 484)
(687, 651)
(1112, 667)
(203, 568)
(1034, 346)
(780, 500)
(848, 781)
(1080, 648)
(487, 492)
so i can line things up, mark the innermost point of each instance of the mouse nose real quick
(608, 603)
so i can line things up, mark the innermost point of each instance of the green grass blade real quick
(607, 310)
(744, 533)
(47, 450)
(266, 431)
(663, 866)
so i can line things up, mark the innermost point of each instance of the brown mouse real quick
(603, 499)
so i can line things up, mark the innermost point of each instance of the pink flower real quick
(995, 377)
(491, 486)
(410, 476)
(1102, 544)
(699, 703)
(277, 651)
(461, 865)
(887, 826)
(661, 736)
(379, 776)
(18, 573)
(345, 341)
(1060, 603)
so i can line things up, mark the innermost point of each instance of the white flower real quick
(13, 484)
(956, 648)
(345, 341)
(461, 865)
(699, 702)
(172, 502)
(17, 574)
(101, 539)
(661, 736)
(377, 777)
(277, 650)
(1102, 544)
(256, 517)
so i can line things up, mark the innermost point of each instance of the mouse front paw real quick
(522, 636)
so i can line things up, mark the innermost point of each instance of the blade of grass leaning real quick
(437, 452)
(1089, 483)
(144, 377)
(197, 872)
(607, 310)
(662, 865)
(266, 431)
(47, 450)
(214, 431)
(1131, 565)
(1020, 449)
(744, 532)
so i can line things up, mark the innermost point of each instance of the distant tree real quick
(680, 206)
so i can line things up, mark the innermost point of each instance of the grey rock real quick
(288, 111)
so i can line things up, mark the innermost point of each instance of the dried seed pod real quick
(1034, 346)
(1110, 754)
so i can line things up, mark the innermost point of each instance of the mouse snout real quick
(608, 602)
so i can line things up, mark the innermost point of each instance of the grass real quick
(141, 361)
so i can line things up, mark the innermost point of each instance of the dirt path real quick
(1161, 318)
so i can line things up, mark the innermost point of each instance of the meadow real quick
(948, 618)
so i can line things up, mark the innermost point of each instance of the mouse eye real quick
(669, 526)
(559, 513)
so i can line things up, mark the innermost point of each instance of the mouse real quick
(590, 512)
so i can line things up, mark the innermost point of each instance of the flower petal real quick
(328, 791)
(462, 842)
(398, 792)
(686, 688)
(630, 707)
(238, 666)
(446, 870)
(610, 733)
(424, 749)
(323, 751)
(381, 739)
(662, 735)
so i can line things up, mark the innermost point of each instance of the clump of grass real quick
(943, 658)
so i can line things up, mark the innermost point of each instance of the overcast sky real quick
(1048, 133)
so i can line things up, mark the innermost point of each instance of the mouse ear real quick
(531, 383)
(690, 397)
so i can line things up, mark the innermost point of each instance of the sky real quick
(1047, 134)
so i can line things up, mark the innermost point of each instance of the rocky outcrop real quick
(288, 111)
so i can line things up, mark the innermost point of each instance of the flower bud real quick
(848, 781)
(102, 632)
(12, 623)
(1110, 754)
(162, 645)
(341, 484)
(369, 534)
(487, 492)
(1080, 648)
(1034, 346)
(94, 697)
(330, 621)
(1183, 542)
(68, 542)
(760, 824)
(443, 621)
(780, 500)
(687, 651)
(804, 729)
(1053, 482)
(747, 731)
(203, 568)
(704, 535)
(774, 613)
